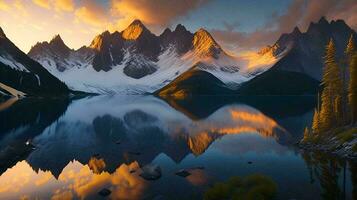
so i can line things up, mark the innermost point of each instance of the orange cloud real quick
(159, 12)
(64, 5)
(58, 5)
(42, 3)
(91, 14)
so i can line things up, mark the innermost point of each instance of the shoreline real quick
(332, 145)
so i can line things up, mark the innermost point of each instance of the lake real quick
(96, 147)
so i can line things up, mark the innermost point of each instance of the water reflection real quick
(75, 148)
(75, 181)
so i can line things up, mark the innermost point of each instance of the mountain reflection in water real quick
(82, 146)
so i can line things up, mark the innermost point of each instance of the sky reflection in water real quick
(85, 145)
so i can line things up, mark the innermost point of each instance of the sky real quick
(238, 25)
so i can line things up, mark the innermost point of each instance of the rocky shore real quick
(343, 144)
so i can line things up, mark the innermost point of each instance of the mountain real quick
(58, 57)
(300, 70)
(308, 49)
(20, 75)
(194, 82)
(135, 61)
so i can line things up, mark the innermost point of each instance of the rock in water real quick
(183, 173)
(151, 172)
(104, 192)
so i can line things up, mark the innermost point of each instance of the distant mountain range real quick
(298, 71)
(177, 63)
(135, 61)
(20, 75)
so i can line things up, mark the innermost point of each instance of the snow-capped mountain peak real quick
(137, 61)
(204, 44)
(97, 42)
(134, 30)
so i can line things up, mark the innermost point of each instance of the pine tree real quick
(307, 134)
(326, 115)
(350, 49)
(331, 98)
(315, 123)
(352, 88)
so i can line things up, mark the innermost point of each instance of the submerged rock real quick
(183, 173)
(104, 192)
(151, 172)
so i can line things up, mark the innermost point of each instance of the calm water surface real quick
(72, 149)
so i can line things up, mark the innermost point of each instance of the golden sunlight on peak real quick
(134, 30)
(96, 43)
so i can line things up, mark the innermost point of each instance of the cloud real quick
(58, 5)
(300, 13)
(91, 14)
(156, 12)
(4, 6)
(42, 3)
(64, 5)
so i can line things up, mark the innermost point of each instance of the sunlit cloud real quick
(64, 5)
(42, 3)
(157, 13)
(88, 18)
(3, 5)
(57, 5)
(87, 15)
(300, 13)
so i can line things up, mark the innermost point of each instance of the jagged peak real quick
(136, 22)
(204, 43)
(296, 31)
(2, 34)
(56, 38)
(166, 31)
(98, 40)
(134, 30)
(180, 27)
(203, 35)
(323, 20)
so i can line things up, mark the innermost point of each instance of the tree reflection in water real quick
(330, 172)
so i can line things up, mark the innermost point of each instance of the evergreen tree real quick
(315, 123)
(350, 48)
(352, 88)
(331, 98)
(326, 115)
(306, 134)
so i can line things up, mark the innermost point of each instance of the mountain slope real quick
(307, 49)
(21, 73)
(135, 61)
(194, 82)
(299, 70)
(279, 82)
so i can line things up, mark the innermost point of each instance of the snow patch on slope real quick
(10, 61)
(82, 76)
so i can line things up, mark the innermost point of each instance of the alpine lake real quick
(146, 147)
